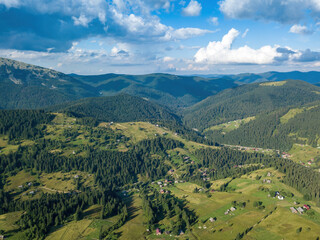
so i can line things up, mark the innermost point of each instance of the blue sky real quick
(170, 36)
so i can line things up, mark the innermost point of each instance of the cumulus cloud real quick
(220, 52)
(289, 11)
(299, 29)
(66, 21)
(193, 9)
(307, 56)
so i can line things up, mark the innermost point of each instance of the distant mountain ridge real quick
(27, 86)
(312, 77)
(173, 91)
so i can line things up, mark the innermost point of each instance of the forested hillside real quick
(120, 108)
(249, 100)
(276, 130)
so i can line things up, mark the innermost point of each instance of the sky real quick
(182, 37)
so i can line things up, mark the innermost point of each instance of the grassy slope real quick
(133, 229)
(246, 189)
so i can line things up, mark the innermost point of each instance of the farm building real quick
(293, 210)
(300, 210)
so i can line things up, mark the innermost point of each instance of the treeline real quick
(225, 162)
(187, 133)
(157, 206)
(23, 123)
(220, 163)
(55, 209)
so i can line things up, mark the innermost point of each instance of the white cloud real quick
(184, 33)
(284, 11)
(10, 3)
(168, 59)
(220, 52)
(299, 29)
(82, 20)
(214, 20)
(193, 9)
(150, 28)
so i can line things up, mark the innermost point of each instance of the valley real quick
(236, 163)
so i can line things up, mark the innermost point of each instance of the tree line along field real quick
(109, 173)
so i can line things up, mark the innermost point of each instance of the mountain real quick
(27, 86)
(119, 108)
(277, 130)
(249, 100)
(173, 91)
(245, 78)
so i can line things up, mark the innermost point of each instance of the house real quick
(212, 219)
(233, 209)
(158, 231)
(1, 237)
(280, 197)
(276, 193)
(181, 232)
(162, 191)
(293, 210)
(20, 186)
(307, 207)
(31, 192)
(30, 184)
(300, 210)
(226, 212)
(76, 176)
(159, 183)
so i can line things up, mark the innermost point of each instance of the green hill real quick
(120, 108)
(249, 100)
(277, 130)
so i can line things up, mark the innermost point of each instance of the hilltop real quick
(27, 86)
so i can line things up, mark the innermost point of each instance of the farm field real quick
(247, 189)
